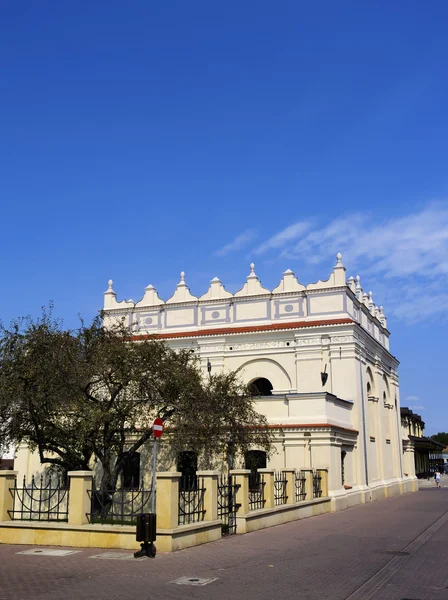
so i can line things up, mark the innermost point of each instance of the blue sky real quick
(144, 138)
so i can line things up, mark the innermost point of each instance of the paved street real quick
(396, 549)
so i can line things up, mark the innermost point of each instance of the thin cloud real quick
(416, 407)
(412, 398)
(238, 243)
(290, 233)
(405, 259)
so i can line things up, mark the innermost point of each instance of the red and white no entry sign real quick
(157, 427)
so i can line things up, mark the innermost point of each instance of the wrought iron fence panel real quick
(191, 500)
(317, 485)
(41, 500)
(227, 506)
(280, 488)
(256, 492)
(300, 489)
(120, 506)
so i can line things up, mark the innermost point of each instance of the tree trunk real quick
(104, 496)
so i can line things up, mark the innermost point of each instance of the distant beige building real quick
(428, 454)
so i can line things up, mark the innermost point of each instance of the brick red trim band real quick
(250, 329)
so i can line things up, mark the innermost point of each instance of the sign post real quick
(146, 523)
(157, 429)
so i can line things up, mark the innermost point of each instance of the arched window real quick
(187, 464)
(369, 388)
(254, 460)
(261, 387)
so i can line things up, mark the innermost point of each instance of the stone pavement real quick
(395, 549)
(431, 483)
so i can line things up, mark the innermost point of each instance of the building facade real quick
(428, 454)
(319, 361)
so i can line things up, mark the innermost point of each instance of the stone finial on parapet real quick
(110, 297)
(182, 292)
(289, 283)
(252, 287)
(365, 299)
(371, 304)
(382, 318)
(336, 279)
(216, 291)
(151, 297)
(351, 283)
(339, 271)
(358, 288)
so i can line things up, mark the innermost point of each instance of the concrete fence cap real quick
(80, 473)
(7, 473)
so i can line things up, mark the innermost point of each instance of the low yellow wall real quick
(269, 517)
(105, 536)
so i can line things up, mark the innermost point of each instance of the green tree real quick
(441, 437)
(93, 392)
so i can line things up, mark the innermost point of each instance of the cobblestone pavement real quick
(395, 549)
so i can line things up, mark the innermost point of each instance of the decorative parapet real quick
(253, 305)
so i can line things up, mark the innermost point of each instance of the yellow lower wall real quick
(97, 536)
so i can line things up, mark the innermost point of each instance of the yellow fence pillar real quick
(241, 478)
(80, 497)
(210, 479)
(289, 475)
(7, 481)
(269, 493)
(324, 482)
(167, 505)
(308, 484)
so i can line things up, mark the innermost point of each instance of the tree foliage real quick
(92, 392)
(441, 437)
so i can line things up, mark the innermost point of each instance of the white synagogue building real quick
(319, 358)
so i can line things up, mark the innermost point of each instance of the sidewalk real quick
(422, 483)
(329, 557)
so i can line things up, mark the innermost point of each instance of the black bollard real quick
(146, 533)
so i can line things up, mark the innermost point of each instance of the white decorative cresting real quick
(182, 293)
(288, 301)
(216, 291)
(151, 297)
(289, 283)
(252, 287)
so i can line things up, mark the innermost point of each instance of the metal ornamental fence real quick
(120, 506)
(41, 500)
(280, 488)
(256, 492)
(227, 506)
(317, 484)
(191, 500)
(300, 486)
